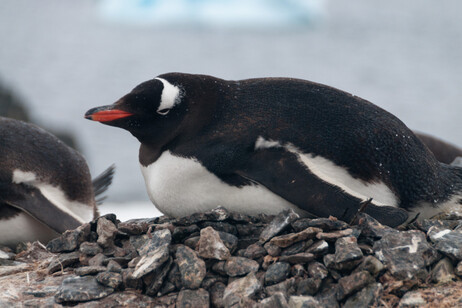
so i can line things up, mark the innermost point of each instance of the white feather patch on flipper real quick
(81, 212)
(329, 172)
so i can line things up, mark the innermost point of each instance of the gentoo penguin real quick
(45, 186)
(266, 144)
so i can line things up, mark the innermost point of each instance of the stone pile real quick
(226, 259)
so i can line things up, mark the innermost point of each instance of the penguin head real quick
(152, 111)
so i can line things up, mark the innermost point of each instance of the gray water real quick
(63, 58)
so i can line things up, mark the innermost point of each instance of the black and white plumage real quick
(261, 145)
(45, 186)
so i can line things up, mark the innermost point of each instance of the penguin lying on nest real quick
(45, 186)
(263, 145)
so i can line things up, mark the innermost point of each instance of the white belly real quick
(179, 186)
(24, 228)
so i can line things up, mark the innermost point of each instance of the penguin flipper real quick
(102, 182)
(33, 202)
(282, 173)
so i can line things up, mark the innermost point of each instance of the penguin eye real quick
(163, 111)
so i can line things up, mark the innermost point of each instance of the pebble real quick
(239, 266)
(151, 261)
(326, 224)
(136, 226)
(239, 289)
(352, 283)
(90, 249)
(412, 299)
(89, 270)
(106, 231)
(191, 267)
(210, 245)
(157, 239)
(287, 240)
(277, 272)
(193, 298)
(333, 236)
(443, 271)
(278, 224)
(317, 270)
(303, 257)
(368, 297)
(69, 240)
(308, 286)
(277, 300)
(303, 302)
(110, 279)
(447, 242)
(81, 289)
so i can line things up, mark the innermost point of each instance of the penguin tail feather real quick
(102, 182)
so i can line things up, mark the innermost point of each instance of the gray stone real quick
(368, 297)
(347, 250)
(317, 270)
(303, 257)
(277, 272)
(89, 270)
(272, 249)
(220, 226)
(97, 260)
(69, 240)
(298, 247)
(326, 224)
(458, 269)
(371, 264)
(151, 261)
(412, 299)
(278, 224)
(447, 242)
(319, 248)
(443, 271)
(352, 283)
(254, 251)
(157, 239)
(136, 226)
(113, 266)
(180, 233)
(372, 228)
(191, 267)
(231, 241)
(62, 261)
(308, 286)
(239, 266)
(216, 294)
(106, 231)
(277, 300)
(303, 302)
(405, 253)
(81, 289)
(285, 287)
(287, 240)
(426, 224)
(110, 279)
(210, 245)
(90, 249)
(155, 280)
(333, 236)
(239, 289)
(193, 298)
(298, 270)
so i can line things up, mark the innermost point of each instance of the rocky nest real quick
(226, 259)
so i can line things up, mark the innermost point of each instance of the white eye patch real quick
(171, 96)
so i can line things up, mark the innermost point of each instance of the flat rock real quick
(277, 272)
(405, 253)
(371, 227)
(62, 261)
(90, 249)
(333, 236)
(447, 242)
(191, 267)
(193, 298)
(303, 257)
(81, 289)
(319, 248)
(286, 240)
(443, 271)
(239, 266)
(326, 224)
(210, 245)
(69, 240)
(151, 261)
(136, 226)
(243, 288)
(278, 224)
(106, 231)
(369, 296)
(89, 270)
(412, 299)
(110, 279)
(352, 283)
(303, 302)
(158, 238)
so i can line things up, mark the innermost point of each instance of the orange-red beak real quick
(103, 114)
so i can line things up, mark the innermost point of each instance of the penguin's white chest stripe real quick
(181, 186)
(81, 212)
(335, 175)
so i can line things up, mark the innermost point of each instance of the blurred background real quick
(61, 57)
